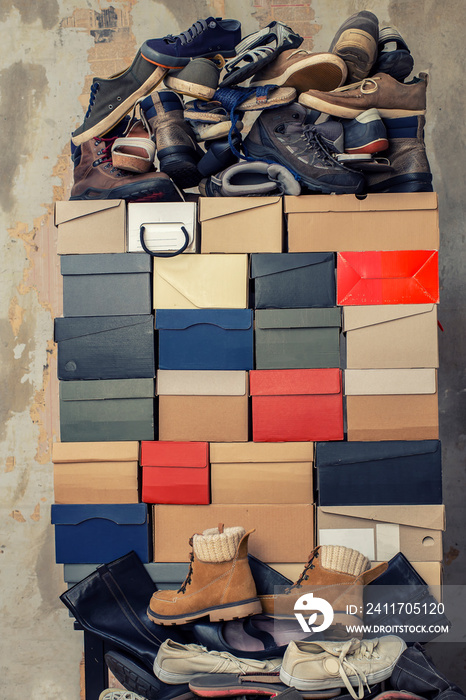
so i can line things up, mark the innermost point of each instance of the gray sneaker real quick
(355, 662)
(198, 79)
(282, 136)
(179, 663)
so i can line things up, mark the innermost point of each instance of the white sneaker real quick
(117, 694)
(178, 663)
(318, 665)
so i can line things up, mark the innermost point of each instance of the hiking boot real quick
(335, 573)
(95, 177)
(112, 98)
(408, 159)
(282, 136)
(303, 70)
(249, 179)
(209, 120)
(206, 37)
(179, 663)
(356, 43)
(390, 97)
(219, 583)
(198, 79)
(394, 56)
(177, 151)
(318, 665)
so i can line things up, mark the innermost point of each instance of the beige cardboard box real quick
(254, 472)
(91, 227)
(241, 224)
(95, 472)
(391, 404)
(201, 282)
(380, 532)
(203, 405)
(391, 336)
(291, 570)
(346, 222)
(283, 532)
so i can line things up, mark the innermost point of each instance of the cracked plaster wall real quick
(50, 51)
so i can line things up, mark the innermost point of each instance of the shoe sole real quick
(310, 74)
(370, 147)
(180, 166)
(160, 59)
(135, 192)
(278, 98)
(359, 50)
(210, 132)
(222, 613)
(135, 678)
(313, 102)
(261, 689)
(183, 87)
(121, 111)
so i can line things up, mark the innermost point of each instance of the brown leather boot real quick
(96, 178)
(219, 582)
(336, 574)
(177, 150)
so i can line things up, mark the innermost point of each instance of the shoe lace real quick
(366, 86)
(94, 90)
(358, 650)
(105, 155)
(304, 574)
(187, 581)
(187, 37)
(244, 666)
(316, 143)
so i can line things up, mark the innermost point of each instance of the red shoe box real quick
(175, 472)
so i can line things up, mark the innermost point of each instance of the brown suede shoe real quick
(336, 574)
(135, 150)
(95, 177)
(303, 70)
(219, 583)
(390, 97)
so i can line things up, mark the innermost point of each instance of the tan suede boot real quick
(336, 574)
(219, 582)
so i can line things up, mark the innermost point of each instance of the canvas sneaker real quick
(355, 662)
(394, 56)
(356, 43)
(179, 663)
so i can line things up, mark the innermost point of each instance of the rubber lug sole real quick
(359, 50)
(132, 192)
(222, 613)
(137, 679)
(313, 102)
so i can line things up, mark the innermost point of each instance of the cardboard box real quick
(296, 405)
(105, 347)
(380, 532)
(253, 472)
(404, 221)
(390, 337)
(175, 472)
(95, 472)
(209, 406)
(91, 227)
(163, 224)
(241, 224)
(111, 410)
(291, 571)
(293, 281)
(275, 537)
(205, 339)
(201, 282)
(91, 534)
(379, 473)
(297, 338)
(106, 284)
(391, 404)
(387, 277)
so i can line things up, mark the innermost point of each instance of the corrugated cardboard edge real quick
(226, 206)
(67, 211)
(202, 383)
(408, 201)
(429, 517)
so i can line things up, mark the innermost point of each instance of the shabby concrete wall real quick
(50, 50)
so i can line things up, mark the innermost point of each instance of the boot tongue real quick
(333, 135)
(343, 560)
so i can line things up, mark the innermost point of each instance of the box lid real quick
(298, 318)
(229, 452)
(214, 208)
(67, 211)
(384, 382)
(282, 382)
(160, 212)
(430, 517)
(355, 317)
(333, 454)
(409, 201)
(69, 452)
(66, 328)
(101, 389)
(105, 263)
(120, 514)
(156, 453)
(202, 382)
(180, 319)
(264, 264)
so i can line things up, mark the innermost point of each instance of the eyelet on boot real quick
(295, 115)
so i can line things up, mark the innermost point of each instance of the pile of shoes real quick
(338, 122)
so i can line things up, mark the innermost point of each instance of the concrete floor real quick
(50, 51)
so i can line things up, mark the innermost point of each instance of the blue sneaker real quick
(366, 133)
(394, 56)
(206, 37)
